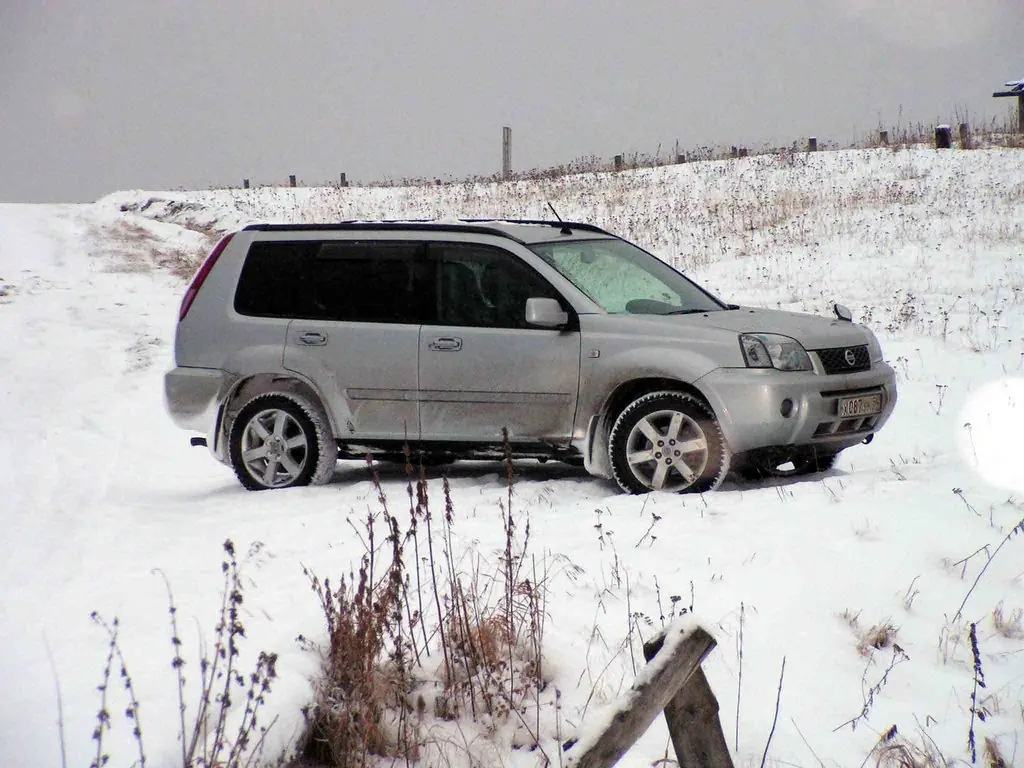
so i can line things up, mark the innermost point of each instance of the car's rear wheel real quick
(668, 441)
(281, 441)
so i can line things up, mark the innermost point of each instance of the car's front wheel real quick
(281, 441)
(668, 441)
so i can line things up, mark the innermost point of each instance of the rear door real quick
(482, 368)
(357, 334)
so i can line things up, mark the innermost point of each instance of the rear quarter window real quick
(270, 282)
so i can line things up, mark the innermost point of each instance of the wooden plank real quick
(685, 646)
(693, 723)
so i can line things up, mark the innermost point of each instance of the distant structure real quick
(506, 152)
(1016, 89)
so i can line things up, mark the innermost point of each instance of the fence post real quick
(883, 138)
(245, 183)
(965, 136)
(812, 144)
(943, 137)
(692, 718)
(506, 152)
(684, 647)
(618, 163)
(343, 182)
(291, 180)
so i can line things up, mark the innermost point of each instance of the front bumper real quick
(749, 406)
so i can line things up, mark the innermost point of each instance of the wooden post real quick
(343, 182)
(692, 717)
(943, 137)
(291, 180)
(245, 183)
(883, 138)
(744, 151)
(617, 163)
(812, 144)
(506, 152)
(684, 647)
(965, 136)
(680, 159)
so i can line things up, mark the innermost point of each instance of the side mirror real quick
(547, 313)
(843, 313)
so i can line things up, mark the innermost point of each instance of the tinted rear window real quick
(354, 281)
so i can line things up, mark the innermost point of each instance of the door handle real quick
(446, 344)
(313, 338)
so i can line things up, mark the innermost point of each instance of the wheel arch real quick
(248, 387)
(596, 458)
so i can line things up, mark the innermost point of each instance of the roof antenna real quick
(565, 230)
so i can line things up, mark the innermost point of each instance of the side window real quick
(372, 282)
(483, 286)
(362, 281)
(269, 285)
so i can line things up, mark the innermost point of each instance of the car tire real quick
(668, 441)
(281, 440)
(805, 462)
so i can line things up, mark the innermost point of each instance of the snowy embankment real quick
(924, 246)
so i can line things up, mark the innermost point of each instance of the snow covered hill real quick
(101, 489)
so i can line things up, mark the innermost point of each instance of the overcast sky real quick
(105, 95)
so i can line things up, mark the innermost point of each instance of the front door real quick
(482, 368)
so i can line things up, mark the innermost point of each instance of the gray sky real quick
(102, 95)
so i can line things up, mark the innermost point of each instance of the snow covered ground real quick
(102, 490)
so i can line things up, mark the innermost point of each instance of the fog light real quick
(786, 409)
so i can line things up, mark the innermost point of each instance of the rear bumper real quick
(749, 406)
(193, 397)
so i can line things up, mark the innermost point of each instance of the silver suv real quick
(301, 344)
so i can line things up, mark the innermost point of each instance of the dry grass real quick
(413, 643)
(1009, 625)
(896, 751)
(209, 731)
(875, 637)
(992, 754)
(132, 248)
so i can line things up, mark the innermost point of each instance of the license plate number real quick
(865, 405)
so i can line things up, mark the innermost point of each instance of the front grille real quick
(838, 360)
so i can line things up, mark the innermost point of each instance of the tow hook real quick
(198, 442)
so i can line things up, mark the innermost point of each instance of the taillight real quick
(204, 270)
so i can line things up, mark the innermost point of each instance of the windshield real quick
(623, 279)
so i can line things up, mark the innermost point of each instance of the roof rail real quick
(546, 222)
(477, 226)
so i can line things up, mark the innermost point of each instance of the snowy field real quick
(104, 496)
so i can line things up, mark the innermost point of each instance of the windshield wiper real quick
(688, 311)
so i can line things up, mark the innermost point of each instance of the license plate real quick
(865, 405)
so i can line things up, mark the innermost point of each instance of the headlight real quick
(874, 348)
(770, 350)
